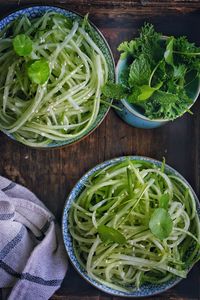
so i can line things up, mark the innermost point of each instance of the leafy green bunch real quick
(157, 72)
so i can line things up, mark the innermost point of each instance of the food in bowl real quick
(159, 75)
(134, 224)
(52, 71)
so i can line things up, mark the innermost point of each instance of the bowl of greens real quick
(54, 63)
(158, 78)
(131, 227)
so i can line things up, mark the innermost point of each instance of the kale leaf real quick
(166, 105)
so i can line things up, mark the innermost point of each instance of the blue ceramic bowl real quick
(132, 116)
(146, 289)
(36, 11)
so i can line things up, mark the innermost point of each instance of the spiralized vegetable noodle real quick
(116, 235)
(68, 103)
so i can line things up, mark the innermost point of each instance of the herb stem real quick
(187, 53)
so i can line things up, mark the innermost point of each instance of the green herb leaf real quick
(108, 234)
(39, 71)
(164, 201)
(168, 105)
(23, 45)
(115, 91)
(165, 98)
(127, 48)
(147, 91)
(179, 71)
(168, 55)
(133, 96)
(124, 76)
(161, 223)
(140, 71)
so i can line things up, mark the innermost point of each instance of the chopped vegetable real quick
(157, 74)
(51, 75)
(134, 224)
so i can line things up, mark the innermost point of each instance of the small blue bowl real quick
(133, 117)
(37, 11)
(146, 289)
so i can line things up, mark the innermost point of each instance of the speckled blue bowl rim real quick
(36, 10)
(145, 290)
(133, 111)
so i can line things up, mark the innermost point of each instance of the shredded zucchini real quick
(117, 236)
(59, 53)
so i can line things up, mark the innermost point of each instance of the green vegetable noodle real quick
(51, 75)
(158, 73)
(134, 224)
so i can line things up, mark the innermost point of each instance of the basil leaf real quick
(39, 71)
(161, 223)
(109, 234)
(23, 45)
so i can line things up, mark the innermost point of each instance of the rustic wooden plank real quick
(113, 3)
(103, 6)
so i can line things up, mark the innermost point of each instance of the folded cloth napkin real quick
(32, 256)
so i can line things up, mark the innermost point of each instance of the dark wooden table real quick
(52, 173)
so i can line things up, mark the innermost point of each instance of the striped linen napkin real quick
(32, 256)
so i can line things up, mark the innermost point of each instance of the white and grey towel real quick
(32, 256)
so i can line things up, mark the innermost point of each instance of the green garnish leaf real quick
(133, 97)
(127, 48)
(164, 201)
(161, 223)
(168, 55)
(140, 71)
(23, 45)
(39, 71)
(115, 91)
(146, 92)
(124, 76)
(170, 103)
(166, 99)
(109, 234)
(179, 71)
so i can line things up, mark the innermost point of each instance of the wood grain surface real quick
(52, 173)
